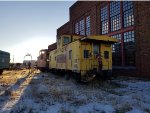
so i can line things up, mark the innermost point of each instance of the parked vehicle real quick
(42, 63)
(43, 58)
(4, 61)
(85, 57)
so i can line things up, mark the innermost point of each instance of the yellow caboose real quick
(86, 56)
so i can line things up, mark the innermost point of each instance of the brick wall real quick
(52, 46)
(142, 30)
(64, 29)
(82, 9)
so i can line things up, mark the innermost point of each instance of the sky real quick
(28, 26)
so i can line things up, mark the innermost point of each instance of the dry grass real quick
(124, 108)
(14, 93)
(56, 94)
(64, 110)
(8, 80)
(19, 109)
(136, 97)
(78, 102)
(50, 90)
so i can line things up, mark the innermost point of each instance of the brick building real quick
(127, 21)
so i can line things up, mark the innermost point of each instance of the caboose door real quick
(106, 56)
(95, 55)
(70, 59)
(85, 57)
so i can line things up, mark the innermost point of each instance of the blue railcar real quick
(4, 61)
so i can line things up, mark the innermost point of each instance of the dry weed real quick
(64, 110)
(7, 92)
(124, 108)
(56, 93)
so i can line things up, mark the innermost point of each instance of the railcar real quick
(42, 63)
(4, 61)
(85, 57)
(42, 59)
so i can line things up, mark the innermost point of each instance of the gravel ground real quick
(23, 92)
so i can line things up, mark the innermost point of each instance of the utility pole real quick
(13, 58)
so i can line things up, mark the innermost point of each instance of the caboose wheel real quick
(77, 77)
(1, 71)
(67, 76)
(91, 75)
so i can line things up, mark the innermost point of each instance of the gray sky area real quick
(28, 26)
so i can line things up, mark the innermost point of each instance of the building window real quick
(81, 27)
(129, 48)
(76, 28)
(104, 19)
(88, 25)
(116, 46)
(129, 40)
(128, 13)
(116, 49)
(115, 23)
(115, 17)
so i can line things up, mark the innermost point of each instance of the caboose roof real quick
(102, 38)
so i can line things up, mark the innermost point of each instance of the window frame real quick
(128, 14)
(104, 20)
(114, 28)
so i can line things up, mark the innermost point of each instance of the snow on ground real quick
(21, 92)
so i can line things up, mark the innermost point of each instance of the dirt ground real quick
(37, 92)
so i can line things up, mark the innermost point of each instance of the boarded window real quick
(106, 54)
(86, 53)
(96, 49)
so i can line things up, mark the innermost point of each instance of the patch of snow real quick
(47, 93)
(136, 111)
(54, 108)
(42, 88)
(1, 88)
(95, 108)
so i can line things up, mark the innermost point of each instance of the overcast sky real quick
(27, 27)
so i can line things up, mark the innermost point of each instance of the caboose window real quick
(106, 54)
(86, 53)
(96, 49)
(49, 58)
(66, 40)
(70, 54)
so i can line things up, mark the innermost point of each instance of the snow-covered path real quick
(21, 92)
